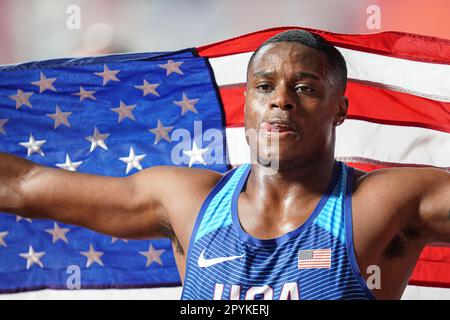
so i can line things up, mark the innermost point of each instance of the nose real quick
(283, 98)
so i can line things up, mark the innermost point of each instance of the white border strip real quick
(411, 293)
(385, 143)
(97, 294)
(430, 80)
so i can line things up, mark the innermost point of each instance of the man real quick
(314, 229)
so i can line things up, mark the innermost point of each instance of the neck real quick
(309, 179)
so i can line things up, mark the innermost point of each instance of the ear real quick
(245, 98)
(341, 115)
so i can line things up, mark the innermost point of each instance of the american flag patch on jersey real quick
(314, 259)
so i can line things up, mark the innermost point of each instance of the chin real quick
(277, 162)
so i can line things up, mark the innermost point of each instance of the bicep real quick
(179, 193)
(434, 207)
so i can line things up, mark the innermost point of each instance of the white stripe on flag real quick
(379, 142)
(421, 78)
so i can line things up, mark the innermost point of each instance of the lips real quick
(278, 125)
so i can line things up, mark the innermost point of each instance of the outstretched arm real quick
(143, 205)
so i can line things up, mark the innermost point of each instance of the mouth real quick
(282, 128)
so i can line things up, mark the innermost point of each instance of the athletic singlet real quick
(314, 261)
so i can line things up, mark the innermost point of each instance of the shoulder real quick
(404, 179)
(178, 177)
(180, 191)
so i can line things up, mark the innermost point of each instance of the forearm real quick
(14, 171)
(34, 191)
(103, 204)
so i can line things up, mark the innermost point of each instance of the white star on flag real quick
(60, 117)
(84, 94)
(152, 255)
(19, 218)
(114, 240)
(2, 238)
(45, 83)
(22, 98)
(187, 104)
(132, 161)
(33, 146)
(32, 257)
(148, 88)
(2, 124)
(93, 256)
(172, 67)
(196, 155)
(98, 140)
(58, 233)
(161, 132)
(69, 165)
(124, 111)
(108, 75)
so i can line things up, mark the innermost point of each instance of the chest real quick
(303, 264)
(268, 220)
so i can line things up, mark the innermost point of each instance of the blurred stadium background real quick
(36, 29)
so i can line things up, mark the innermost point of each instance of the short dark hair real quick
(338, 67)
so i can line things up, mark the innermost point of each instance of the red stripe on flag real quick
(366, 166)
(395, 44)
(370, 165)
(396, 108)
(233, 102)
(433, 268)
(366, 103)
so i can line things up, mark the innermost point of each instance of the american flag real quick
(114, 116)
(399, 115)
(314, 259)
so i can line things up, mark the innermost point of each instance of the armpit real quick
(402, 242)
(167, 231)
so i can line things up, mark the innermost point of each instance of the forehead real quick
(289, 56)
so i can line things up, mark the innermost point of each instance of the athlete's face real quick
(289, 90)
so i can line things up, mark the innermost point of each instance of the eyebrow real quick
(263, 74)
(300, 75)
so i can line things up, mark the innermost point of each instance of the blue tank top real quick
(314, 261)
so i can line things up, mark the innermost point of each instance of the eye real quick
(264, 87)
(304, 89)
